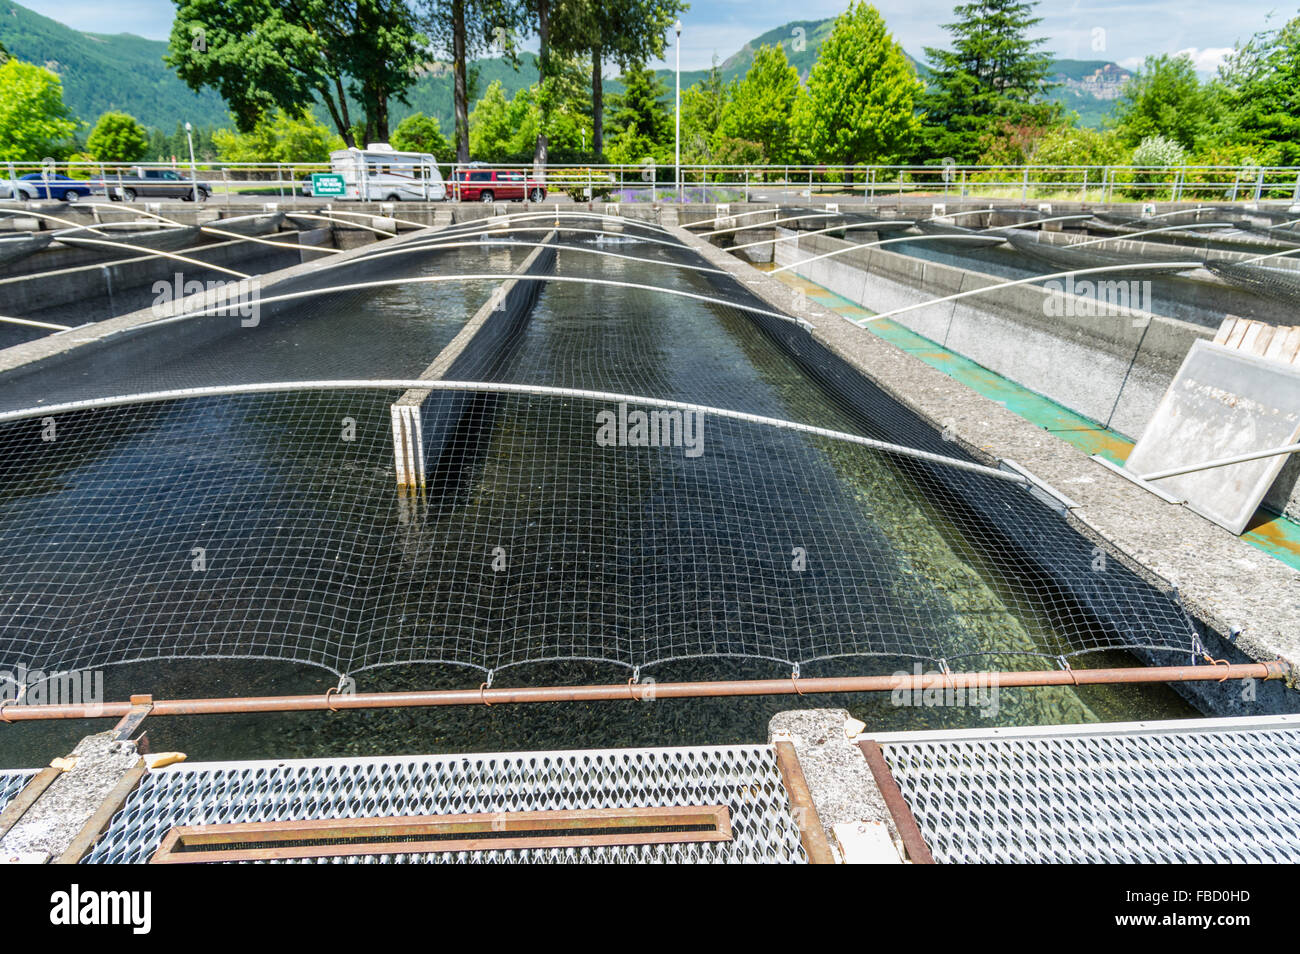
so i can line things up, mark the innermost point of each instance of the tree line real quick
(984, 98)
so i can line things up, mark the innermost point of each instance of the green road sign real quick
(327, 184)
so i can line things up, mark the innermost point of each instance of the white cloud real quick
(1207, 59)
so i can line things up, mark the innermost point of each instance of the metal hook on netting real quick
(1218, 662)
(794, 678)
(1066, 667)
(946, 672)
(632, 681)
(484, 686)
(346, 686)
(1198, 648)
(16, 700)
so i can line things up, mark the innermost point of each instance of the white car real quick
(26, 190)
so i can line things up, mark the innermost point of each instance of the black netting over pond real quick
(1280, 284)
(552, 526)
(676, 515)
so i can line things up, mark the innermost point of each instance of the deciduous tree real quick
(860, 104)
(760, 107)
(1164, 98)
(34, 121)
(118, 137)
(261, 55)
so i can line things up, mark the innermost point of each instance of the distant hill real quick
(102, 72)
(1092, 103)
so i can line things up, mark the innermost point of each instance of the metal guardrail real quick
(650, 181)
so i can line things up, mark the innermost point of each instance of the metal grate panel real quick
(1198, 791)
(744, 778)
(11, 783)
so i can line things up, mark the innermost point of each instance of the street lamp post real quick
(194, 169)
(677, 134)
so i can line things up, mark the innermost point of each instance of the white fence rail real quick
(737, 183)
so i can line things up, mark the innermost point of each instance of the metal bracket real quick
(141, 706)
(1134, 478)
(1038, 488)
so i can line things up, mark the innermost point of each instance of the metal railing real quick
(649, 181)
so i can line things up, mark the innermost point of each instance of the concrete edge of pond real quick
(23, 357)
(1248, 599)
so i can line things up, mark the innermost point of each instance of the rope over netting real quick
(606, 479)
(537, 538)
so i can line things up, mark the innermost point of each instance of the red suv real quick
(489, 185)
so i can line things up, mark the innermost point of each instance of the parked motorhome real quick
(379, 173)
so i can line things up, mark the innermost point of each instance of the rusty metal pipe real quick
(644, 692)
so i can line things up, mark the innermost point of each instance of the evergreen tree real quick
(643, 123)
(994, 74)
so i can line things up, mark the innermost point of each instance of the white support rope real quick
(480, 243)
(491, 221)
(338, 221)
(890, 241)
(213, 230)
(735, 215)
(36, 324)
(52, 218)
(504, 222)
(433, 279)
(1222, 462)
(372, 215)
(1028, 281)
(1261, 258)
(492, 387)
(1055, 218)
(788, 218)
(953, 215)
(151, 252)
(865, 226)
(1162, 215)
(535, 228)
(1167, 228)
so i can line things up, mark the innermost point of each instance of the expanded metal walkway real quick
(1198, 791)
(745, 779)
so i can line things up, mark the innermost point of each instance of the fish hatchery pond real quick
(614, 556)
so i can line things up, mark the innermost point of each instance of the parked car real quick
(154, 184)
(26, 190)
(489, 185)
(58, 186)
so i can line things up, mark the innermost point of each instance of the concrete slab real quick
(843, 789)
(49, 826)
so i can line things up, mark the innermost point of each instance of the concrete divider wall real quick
(1111, 368)
(477, 351)
(26, 294)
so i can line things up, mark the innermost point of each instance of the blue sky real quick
(1125, 30)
